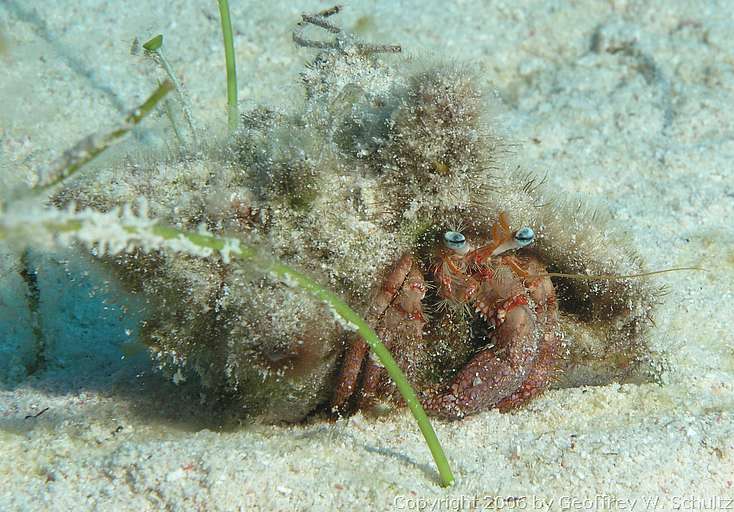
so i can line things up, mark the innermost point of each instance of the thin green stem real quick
(154, 49)
(172, 119)
(90, 147)
(233, 114)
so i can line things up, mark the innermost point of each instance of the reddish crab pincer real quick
(513, 299)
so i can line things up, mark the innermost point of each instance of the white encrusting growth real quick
(107, 233)
(343, 322)
(231, 246)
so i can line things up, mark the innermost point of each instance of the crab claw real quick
(488, 379)
(498, 371)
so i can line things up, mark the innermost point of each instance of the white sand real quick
(626, 105)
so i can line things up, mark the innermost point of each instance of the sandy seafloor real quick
(626, 105)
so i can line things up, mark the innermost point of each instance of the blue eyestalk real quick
(524, 236)
(454, 240)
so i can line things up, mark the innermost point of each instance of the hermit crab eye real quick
(524, 236)
(454, 240)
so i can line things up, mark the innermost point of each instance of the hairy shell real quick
(377, 159)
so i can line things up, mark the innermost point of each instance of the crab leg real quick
(351, 367)
(357, 349)
(546, 367)
(400, 328)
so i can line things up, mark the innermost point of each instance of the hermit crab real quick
(389, 183)
(511, 296)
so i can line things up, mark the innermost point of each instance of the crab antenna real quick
(613, 277)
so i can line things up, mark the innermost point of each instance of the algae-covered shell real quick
(379, 156)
